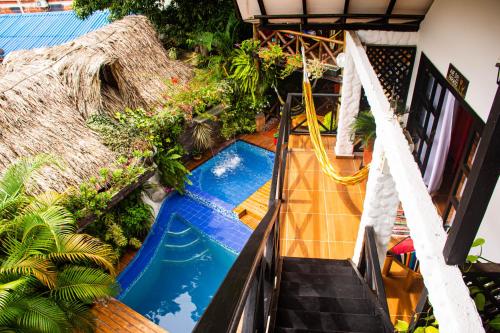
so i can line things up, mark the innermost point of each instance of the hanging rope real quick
(315, 134)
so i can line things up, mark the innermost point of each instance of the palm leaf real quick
(77, 248)
(84, 284)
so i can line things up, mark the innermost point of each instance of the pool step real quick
(179, 233)
(183, 246)
(182, 261)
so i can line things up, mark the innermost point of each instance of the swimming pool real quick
(235, 173)
(195, 240)
(184, 273)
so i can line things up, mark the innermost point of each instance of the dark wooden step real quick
(316, 261)
(333, 267)
(328, 321)
(321, 290)
(327, 304)
(320, 278)
(299, 330)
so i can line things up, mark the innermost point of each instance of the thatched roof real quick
(46, 95)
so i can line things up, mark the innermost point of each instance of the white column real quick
(380, 207)
(349, 107)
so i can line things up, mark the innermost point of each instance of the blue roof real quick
(34, 30)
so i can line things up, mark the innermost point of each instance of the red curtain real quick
(463, 124)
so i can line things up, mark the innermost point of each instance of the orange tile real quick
(307, 180)
(306, 226)
(344, 227)
(303, 161)
(332, 186)
(311, 202)
(306, 249)
(341, 250)
(344, 203)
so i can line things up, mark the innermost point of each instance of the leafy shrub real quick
(125, 225)
(172, 172)
(240, 117)
(93, 197)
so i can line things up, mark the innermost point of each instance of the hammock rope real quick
(315, 135)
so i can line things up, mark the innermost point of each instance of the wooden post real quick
(480, 186)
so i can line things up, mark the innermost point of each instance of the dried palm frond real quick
(46, 96)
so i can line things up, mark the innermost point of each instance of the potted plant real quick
(275, 137)
(364, 127)
(202, 138)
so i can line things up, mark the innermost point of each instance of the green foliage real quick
(172, 172)
(401, 326)
(202, 136)
(471, 258)
(177, 21)
(245, 68)
(49, 274)
(293, 62)
(329, 121)
(202, 92)
(365, 127)
(93, 197)
(158, 131)
(240, 116)
(125, 224)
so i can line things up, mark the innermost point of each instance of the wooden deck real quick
(252, 210)
(116, 317)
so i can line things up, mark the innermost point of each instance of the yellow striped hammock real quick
(315, 134)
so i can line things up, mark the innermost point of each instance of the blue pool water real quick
(195, 240)
(235, 173)
(180, 281)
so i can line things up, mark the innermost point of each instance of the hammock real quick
(319, 149)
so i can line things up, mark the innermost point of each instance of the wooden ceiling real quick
(396, 15)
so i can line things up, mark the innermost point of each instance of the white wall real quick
(467, 34)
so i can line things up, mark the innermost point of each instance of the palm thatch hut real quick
(46, 95)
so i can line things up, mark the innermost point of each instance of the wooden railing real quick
(246, 301)
(325, 49)
(369, 267)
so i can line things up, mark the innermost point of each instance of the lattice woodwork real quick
(393, 65)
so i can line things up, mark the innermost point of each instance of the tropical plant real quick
(125, 225)
(172, 172)
(202, 135)
(240, 116)
(245, 68)
(49, 274)
(293, 62)
(316, 68)
(364, 126)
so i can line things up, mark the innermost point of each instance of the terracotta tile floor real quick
(320, 217)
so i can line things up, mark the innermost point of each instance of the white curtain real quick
(437, 159)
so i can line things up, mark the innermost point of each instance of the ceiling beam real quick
(346, 10)
(304, 11)
(390, 7)
(262, 10)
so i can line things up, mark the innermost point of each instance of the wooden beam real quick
(390, 7)
(304, 11)
(262, 11)
(481, 183)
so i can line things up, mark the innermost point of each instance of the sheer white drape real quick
(437, 159)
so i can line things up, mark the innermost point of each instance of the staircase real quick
(323, 295)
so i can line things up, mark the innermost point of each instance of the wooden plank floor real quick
(114, 316)
(252, 210)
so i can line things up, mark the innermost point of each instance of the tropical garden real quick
(60, 251)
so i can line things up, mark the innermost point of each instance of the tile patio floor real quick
(320, 218)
